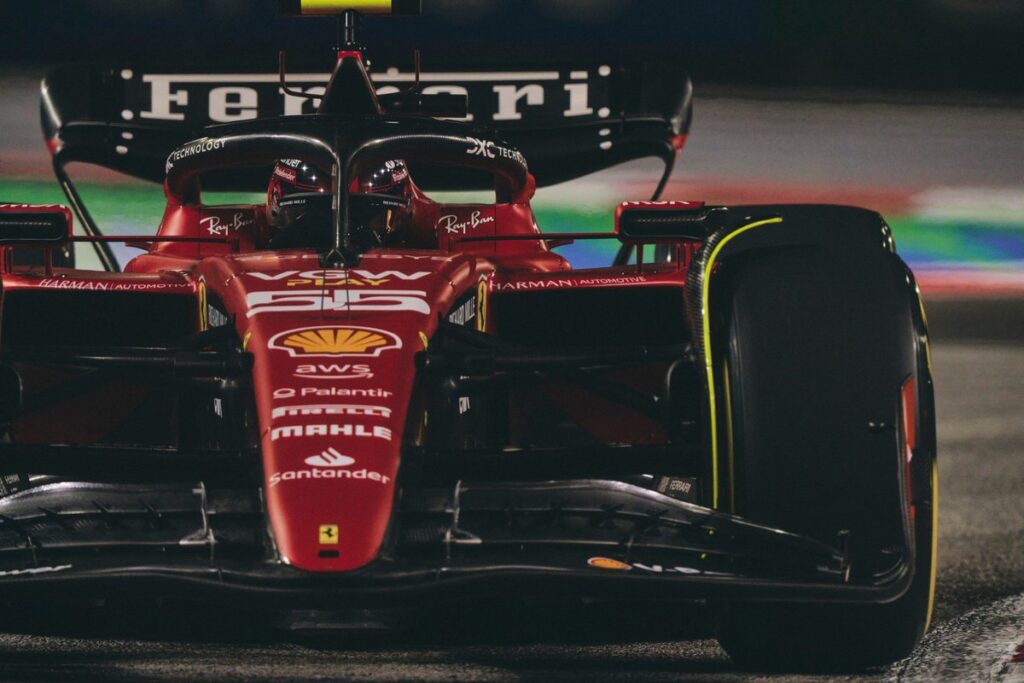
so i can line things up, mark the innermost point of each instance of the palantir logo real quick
(330, 458)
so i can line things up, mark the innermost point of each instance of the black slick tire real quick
(812, 349)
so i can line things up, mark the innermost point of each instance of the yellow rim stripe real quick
(935, 482)
(334, 6)
(924, 319)
(728, 437)
(708, 365)
(935, 544)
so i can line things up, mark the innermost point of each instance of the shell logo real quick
(608, 563)
(335, 341)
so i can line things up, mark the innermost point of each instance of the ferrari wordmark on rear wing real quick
(521, 96)
(569, 121)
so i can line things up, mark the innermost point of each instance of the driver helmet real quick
(386, 192)
(296, 189)
(299, 201)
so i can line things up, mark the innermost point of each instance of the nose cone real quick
(332, 400)
(330, 511)
(333, 370)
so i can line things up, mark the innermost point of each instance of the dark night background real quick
(935, 45)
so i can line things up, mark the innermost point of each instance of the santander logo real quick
(330, 458)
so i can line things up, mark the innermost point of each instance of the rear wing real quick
(568, 122)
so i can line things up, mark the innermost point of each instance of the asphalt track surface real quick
(979, 367)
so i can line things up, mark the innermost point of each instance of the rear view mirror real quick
(34, 225)
(661, 221)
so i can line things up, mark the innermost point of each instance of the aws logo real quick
(333, 371)
(335, 341)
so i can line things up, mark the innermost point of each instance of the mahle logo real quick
(335, 341)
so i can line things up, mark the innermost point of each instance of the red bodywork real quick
(334, 350)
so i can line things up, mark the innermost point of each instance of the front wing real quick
(586, 538)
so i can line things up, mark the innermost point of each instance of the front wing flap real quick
(586, 538)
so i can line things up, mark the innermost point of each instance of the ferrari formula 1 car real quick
(355, 396)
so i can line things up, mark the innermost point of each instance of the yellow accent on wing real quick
(608, 563)
(708, 365)
(204, 321)
(339, 6)
(481, 306)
